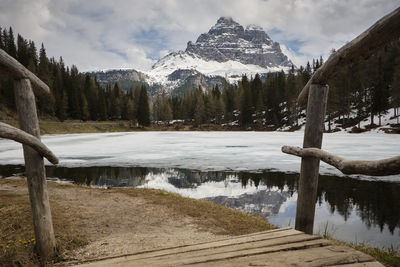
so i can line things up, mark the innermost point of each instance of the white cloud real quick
(137, 55)
(295, 58)
(110, 34)
(163, 53)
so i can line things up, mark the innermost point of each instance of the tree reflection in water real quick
(376, 203)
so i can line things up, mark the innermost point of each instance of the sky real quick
(102, 34)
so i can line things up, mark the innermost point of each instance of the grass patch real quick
(17, 240)
(52, 126)
(386, 256)
(208, 215)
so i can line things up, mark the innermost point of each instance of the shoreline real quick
(74, 126)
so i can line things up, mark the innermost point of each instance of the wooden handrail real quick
(10, 65)
(9, 132)
(390, 166)
(383, 31)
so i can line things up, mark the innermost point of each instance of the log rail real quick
(389, 166)
(9, 132)
(25, 84)
(314, 95)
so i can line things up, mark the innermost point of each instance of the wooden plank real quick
(268, 235)
(10, 65)
(211, 252)
(385, 30)
(361, 264)
(237, 250)
(308, 257)
(9, 132)
(308, 181)
(389, 166)
(35, 171)
(290, 250)
(229, 255)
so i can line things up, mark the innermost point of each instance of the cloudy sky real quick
(102, 34)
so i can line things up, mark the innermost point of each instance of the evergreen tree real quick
(130, 110)
(143, 113)
(102, 106)
(11, 49)
(32, 57)
(43, 70)
(61, 98)
(4, 38)
(199, 112)
(246, 107)
(73, 86)
(23, 51)
(256, 88)
(1, 39)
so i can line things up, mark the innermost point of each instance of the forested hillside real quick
(359, 92)
(73, 95)
(366, 90)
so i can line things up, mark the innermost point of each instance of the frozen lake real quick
(205, 151)
(244, 170)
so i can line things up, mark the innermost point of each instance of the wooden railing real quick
(34, 150)
(315, 95)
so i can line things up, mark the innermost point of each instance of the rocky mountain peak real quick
(226, 25)
(228, 40)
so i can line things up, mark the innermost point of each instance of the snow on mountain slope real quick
(227, 50)
(232, 70)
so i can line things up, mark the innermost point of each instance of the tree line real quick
(266, 101)
(74, 95)
(362, 91)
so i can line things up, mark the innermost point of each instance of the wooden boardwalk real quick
(279, 247)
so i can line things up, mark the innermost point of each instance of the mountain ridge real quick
(227, 51)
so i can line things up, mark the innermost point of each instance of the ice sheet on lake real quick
(220, 151)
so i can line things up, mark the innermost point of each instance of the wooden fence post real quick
(308, 182)
(35, 171)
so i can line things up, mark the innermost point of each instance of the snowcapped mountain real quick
(227, 51)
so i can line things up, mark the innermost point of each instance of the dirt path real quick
(96, 223)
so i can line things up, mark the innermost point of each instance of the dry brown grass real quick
(208, 215)
(16, 231)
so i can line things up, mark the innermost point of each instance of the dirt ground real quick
(94, 223)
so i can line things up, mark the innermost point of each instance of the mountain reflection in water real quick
(373, 205)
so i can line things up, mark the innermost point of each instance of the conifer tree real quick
(32, 57)
(130, 110)
(102, 106)
(199, 111)
(85, 115)
(1, 39)
(4, 40)
(11, 49)
(23, 51)
(143, 113)
(43, 68)
(246, 107)
(61, 98)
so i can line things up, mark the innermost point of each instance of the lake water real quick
(227, 168)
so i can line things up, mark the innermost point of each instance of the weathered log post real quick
(308, 183)
(35, 171)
